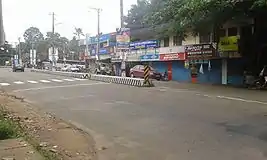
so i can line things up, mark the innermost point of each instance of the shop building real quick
(107, 46)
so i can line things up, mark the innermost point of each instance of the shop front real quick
(171, 60)
(233, 63)
(204, 65)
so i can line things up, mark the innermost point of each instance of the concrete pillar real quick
(224, 71)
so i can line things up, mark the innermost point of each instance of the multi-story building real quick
(218, 63)
(107, 46)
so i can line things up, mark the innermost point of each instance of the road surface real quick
(160, 123)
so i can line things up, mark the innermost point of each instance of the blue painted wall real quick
(160, 66)
(181, 74)
(214, 76)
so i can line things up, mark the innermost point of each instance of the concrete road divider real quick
(120, 80)
(104, 78)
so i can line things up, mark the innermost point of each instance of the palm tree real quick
(78, 32)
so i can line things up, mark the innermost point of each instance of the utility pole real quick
(20, 58)
(53, 33)
(98, 10)
(2, 33)
(121, 12)
(123, 63)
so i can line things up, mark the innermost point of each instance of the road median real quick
(52, 137)
(138, 82)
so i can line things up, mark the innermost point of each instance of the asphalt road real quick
(160, 123)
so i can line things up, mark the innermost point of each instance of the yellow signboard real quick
(228, 44)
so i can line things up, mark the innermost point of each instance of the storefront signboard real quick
(172, 56)
(144, 44)
(123, 38)
(149, 57)
(227, 44)
(200, 51)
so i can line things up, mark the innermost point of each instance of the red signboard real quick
(172, 56)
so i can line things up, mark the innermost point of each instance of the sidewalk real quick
(218, 90)
(15, 149)
(54, 137)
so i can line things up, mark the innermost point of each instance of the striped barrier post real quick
(147, 81)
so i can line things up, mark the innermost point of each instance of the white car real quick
(65, 68)
(74, 68)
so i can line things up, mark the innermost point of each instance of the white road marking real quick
(19, 82)
(45, 81)
(79, 79)
(56, 80)
(34, 82)
(69, 80)
(4, 84)
(242, 100)
(54, 87)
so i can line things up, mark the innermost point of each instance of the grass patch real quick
(11, 129)
(7, 128)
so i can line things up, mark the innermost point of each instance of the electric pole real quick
(53, 33)
(20, 58)
(98, 10)
(2, 33)
(121, 12)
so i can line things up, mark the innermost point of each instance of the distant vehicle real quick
(70, 68)
(103, 69)
(138, 72)
(65, 68)
(18, 67)
(74, 68)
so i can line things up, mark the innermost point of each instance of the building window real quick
(177, 41)
(232, 31)
(166, 42)
(204, 38)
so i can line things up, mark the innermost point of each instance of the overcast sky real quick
(22, 14)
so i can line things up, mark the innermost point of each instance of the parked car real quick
(18, 67)
(138, 72)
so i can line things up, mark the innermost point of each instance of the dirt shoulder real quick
(51, 136)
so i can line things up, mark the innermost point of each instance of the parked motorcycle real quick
(261, 82)
(164, 76)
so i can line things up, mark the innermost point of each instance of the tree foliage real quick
(33, 35)
(176, 16)
(35, 39)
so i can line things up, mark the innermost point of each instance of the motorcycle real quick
(164, 76)
(261, 83)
